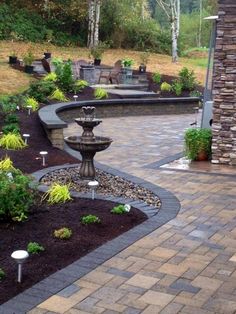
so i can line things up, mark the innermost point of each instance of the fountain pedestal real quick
(88, 144)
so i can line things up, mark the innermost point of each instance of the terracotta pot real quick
(202, 156)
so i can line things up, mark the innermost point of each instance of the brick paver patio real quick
(186, 266)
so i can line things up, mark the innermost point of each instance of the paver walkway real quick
(186, 266)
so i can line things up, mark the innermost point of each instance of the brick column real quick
(224, 86)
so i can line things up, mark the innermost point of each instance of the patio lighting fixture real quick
(20, 256)
(29, 109)
(93, 185)
(26, 136)
(43, 155)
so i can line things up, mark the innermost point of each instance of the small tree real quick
(172, 11)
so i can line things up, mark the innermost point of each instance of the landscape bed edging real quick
(61, 279)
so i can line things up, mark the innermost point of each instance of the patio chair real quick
(46, 65)
(113, 74)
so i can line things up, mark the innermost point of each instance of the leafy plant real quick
(11, 128)
(177, 87)
(12, 141)
(197, 141)
(156, 78)
(40, 90)
(16, 195)
(165, 87)
(34, 248)
(100, 93)
(98, 50)
(90, 219)
(188, 79)
(30, 101)
(28, 58)
(80, 85)
(127, 62)
(52, 77)
(64, 74)
(2, 274)
(11, 118)
(58, 193)
(63, 233)
(8, 104)
(58, 95)
(6, 164)
(120, 209)
(195, 93)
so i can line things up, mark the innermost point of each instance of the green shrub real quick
(8, 104)
(120, 209)
(80, 85)
(63, 233)
(34, 248)
(11, 118)
(16, 196)
(11, 128)
(156, 78)
(12, 141)
(58, 95)
(6, 164)
(64, 74)
(2, 274)
(165, 87)
(127, 62)
(195, 93)
(40, 90)
(90, 219)
(50, 77)
(100, 93)
(197, 141)
(177, 87)
(30, 101)
(58, 193)
(188, 79)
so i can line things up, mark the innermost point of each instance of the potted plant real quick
(28, 60)
(13, 57)
(198, 144)
(97, 52)
(49, 37)
(127, 66)
(144, 58)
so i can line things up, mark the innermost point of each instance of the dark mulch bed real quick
(58, 253)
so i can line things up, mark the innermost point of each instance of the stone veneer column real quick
(224, 86)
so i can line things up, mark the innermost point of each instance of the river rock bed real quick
(109, 185)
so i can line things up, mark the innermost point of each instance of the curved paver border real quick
(44, 289)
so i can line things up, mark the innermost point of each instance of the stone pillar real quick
(224, 86)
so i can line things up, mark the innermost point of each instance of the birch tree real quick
(172, 11)
(94, 7)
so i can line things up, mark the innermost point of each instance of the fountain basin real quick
(98, 144)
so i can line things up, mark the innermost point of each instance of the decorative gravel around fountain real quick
(108, 185)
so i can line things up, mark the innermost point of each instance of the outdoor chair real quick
(46, 65)
(112, 75)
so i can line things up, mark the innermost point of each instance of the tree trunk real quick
(93, 22)
(174, 42)
(96, 24)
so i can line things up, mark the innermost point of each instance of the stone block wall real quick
(224, 86)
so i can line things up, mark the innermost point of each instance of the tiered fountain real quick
(88, 144)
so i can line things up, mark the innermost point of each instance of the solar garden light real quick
(75, 97)
(43, 155)
(29, 109)
(26, 136)
(93, 185)
(127, 208)
(20, 256)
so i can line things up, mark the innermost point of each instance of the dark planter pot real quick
(12, 60)
(97, 61)
(202, 156)
(29, 69)
(142, 68)
(47, 55)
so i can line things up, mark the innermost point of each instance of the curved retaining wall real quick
(55, 117)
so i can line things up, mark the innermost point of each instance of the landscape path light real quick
(29, 109)
(93, 185)
(43, 155)
(75, 97)
(26, 136)
(20, 256)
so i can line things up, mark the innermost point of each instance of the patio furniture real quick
(111, 75)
